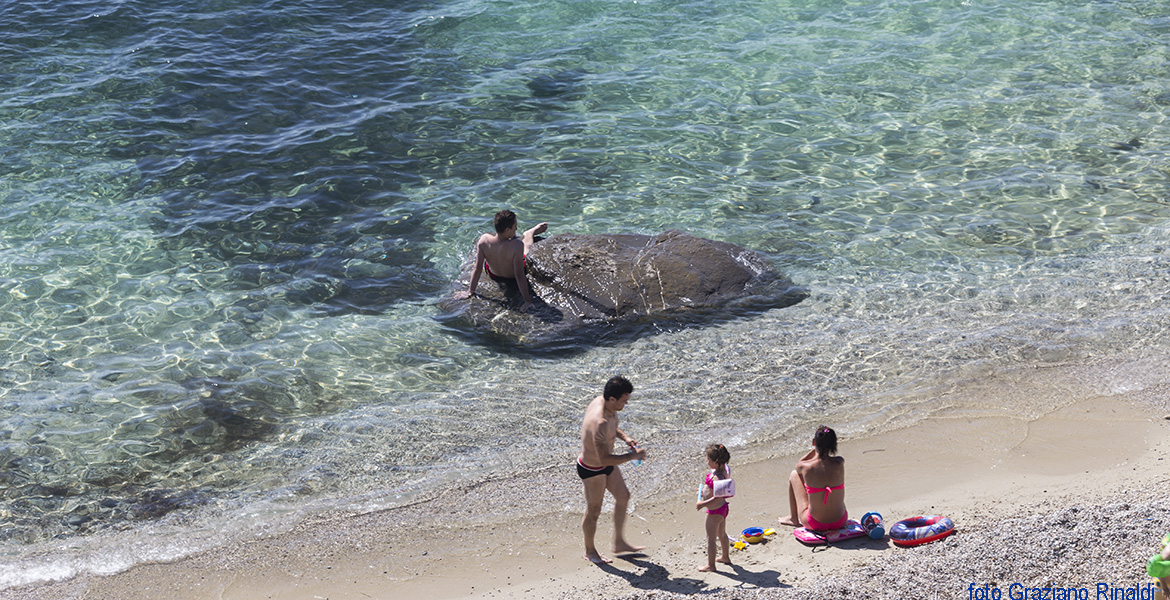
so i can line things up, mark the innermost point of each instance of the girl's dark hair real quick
(825, 441)
(718, 453)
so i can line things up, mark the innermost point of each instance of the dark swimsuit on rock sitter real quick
(488, 268)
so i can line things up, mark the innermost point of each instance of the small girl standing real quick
(713, 494)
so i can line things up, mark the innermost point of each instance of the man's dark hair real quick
(617, 387)
(504, 219)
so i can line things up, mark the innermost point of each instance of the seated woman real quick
(816, 487)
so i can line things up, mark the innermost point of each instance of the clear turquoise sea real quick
(225, 227)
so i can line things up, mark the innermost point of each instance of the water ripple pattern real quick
(225, 225)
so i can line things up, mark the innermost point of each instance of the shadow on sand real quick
(859, 543)
(653, 576)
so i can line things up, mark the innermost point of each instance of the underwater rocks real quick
(591, 289)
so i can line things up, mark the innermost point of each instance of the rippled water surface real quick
(225, 226)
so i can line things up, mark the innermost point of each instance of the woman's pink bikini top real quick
(826, 490)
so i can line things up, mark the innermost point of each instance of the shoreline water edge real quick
(1068, 500)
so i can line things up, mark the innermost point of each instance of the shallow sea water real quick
(225, 227)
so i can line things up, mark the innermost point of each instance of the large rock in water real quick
(590, 289)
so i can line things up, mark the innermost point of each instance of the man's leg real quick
(616, 485)
(529, 236)
(594, 495)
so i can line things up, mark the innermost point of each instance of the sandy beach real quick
(1071, 498)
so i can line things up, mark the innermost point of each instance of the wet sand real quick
(1072, 498)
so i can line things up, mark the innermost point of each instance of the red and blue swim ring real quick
(921, 530)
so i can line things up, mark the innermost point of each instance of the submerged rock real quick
(591, 289)
(558, 84)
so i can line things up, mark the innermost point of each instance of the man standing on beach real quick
(597, 466)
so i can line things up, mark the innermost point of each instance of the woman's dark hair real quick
(617, 387)
(825, 441)
(718, 453)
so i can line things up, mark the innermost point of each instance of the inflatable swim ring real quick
(921, 530)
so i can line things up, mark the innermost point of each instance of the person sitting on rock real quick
(502, 255)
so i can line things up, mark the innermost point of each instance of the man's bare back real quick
(502, 254)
